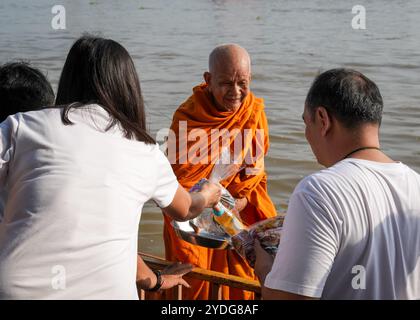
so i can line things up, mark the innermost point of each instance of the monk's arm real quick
(186, 206)
(240, 203)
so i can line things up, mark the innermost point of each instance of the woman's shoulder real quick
(40, 116)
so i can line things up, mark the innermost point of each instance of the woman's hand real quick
(188, 205)
(172, 275)
(211, 193)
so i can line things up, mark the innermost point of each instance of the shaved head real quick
(228, 54)
(229, 76)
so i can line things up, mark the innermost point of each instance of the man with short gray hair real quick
(352, 231)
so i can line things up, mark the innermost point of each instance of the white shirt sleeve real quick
(166, 182)
(8, 131)
(308, 246)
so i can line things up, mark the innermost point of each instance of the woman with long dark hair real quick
(77, 177)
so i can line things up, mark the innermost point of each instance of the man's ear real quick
(324, 119)
(207, 77)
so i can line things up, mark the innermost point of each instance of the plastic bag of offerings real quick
(268, 233)
(223, 221)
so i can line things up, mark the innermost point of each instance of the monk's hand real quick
(172, 275)
(211, 193)
(240, 204)
(263, 263)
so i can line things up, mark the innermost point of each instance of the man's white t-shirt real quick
(75, 194)
(352, 231)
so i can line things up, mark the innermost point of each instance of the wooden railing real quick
(216, 279)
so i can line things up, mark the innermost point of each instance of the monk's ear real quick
(207, 77)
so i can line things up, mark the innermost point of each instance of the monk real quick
(224, 101)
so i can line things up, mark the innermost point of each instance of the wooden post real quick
(179, 292)
(216, 291)
(142, 294)
(217, 280)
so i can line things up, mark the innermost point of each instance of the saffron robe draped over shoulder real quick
(249, 121)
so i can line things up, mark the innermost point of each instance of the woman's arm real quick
(186, 206)
(170, 276)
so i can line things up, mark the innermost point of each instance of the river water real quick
(289, 43)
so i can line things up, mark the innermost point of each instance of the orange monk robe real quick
(199, 112)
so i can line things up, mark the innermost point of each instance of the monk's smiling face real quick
(229, 76)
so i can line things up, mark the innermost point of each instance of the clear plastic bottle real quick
(225, 218)
(228, 220)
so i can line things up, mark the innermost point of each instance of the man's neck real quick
(371, 155)
(364, 145)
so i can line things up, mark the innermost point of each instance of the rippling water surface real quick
(289, 43)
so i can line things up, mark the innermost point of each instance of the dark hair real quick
(23, 88)
(101, 71)
(347, 95)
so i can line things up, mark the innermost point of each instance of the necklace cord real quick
(360, 149)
